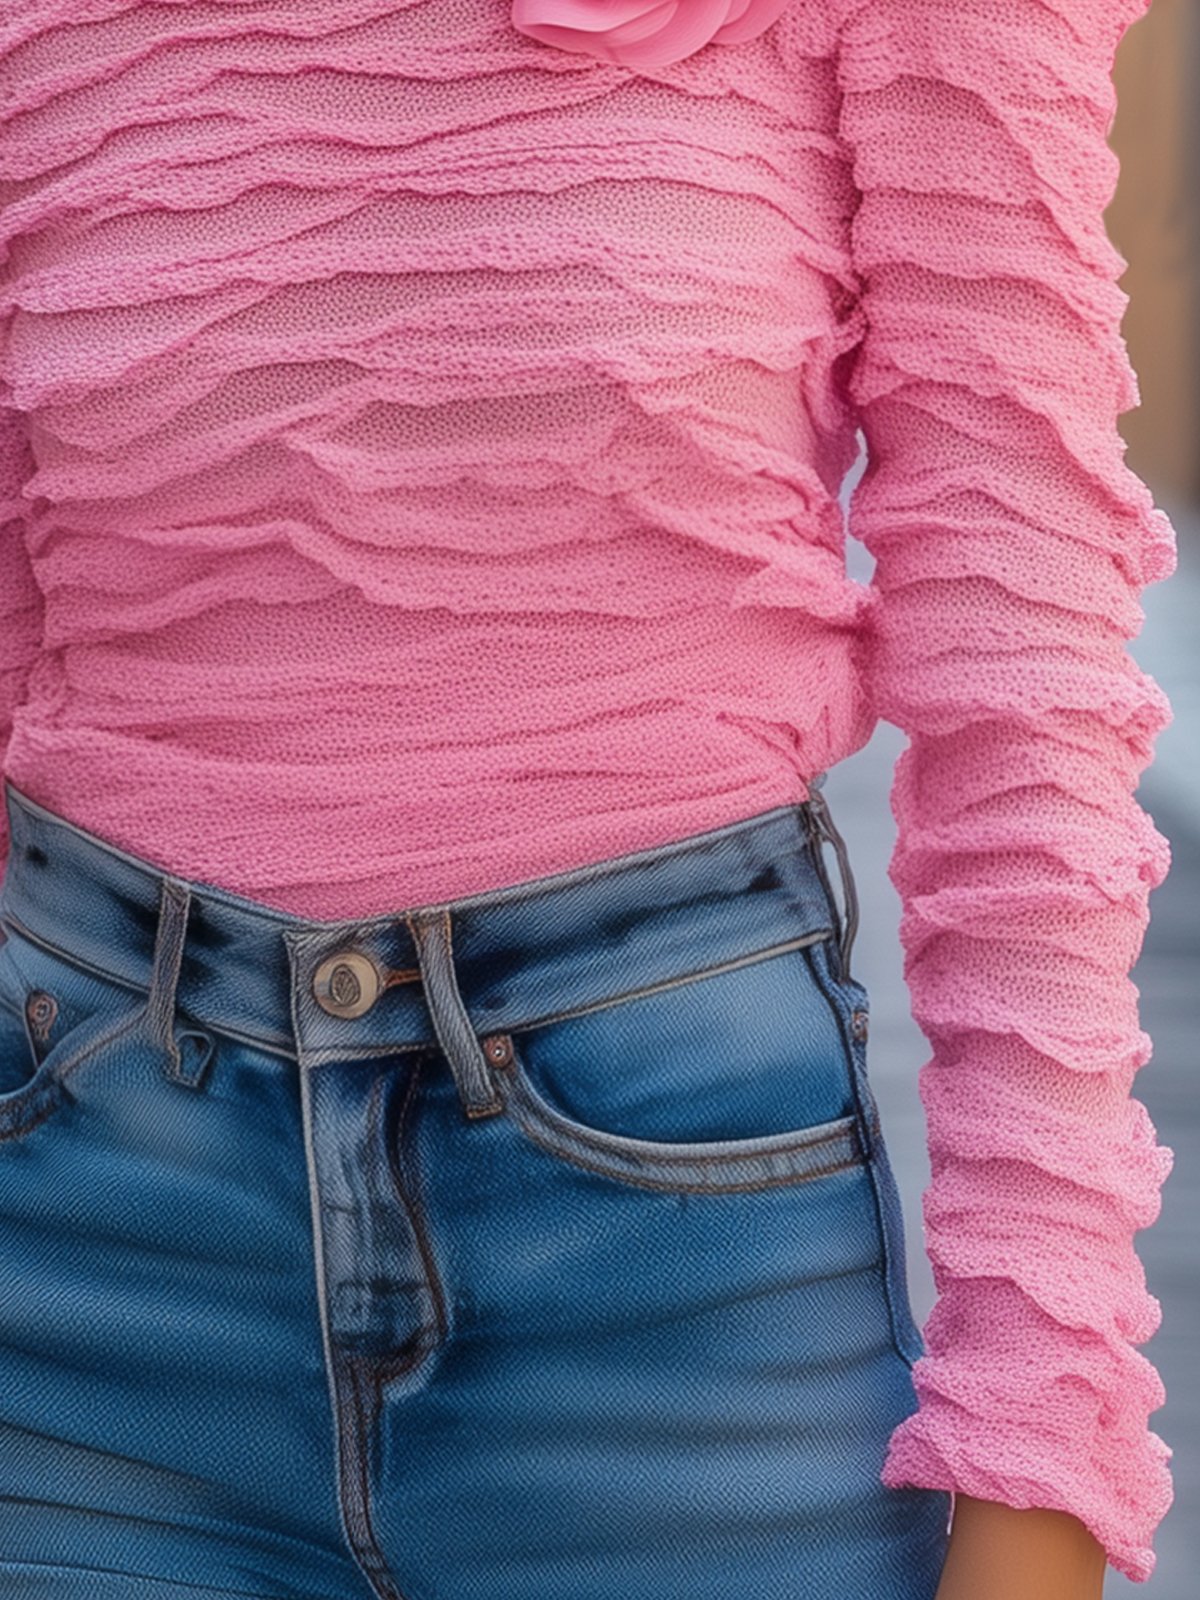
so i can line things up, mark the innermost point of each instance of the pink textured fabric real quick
(421, 454)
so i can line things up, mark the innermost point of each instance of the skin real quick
(999, 1553)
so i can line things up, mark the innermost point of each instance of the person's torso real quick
(438, 437)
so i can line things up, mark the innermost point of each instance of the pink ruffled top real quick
(422, 432)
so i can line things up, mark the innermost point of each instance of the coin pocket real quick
(55, 1020)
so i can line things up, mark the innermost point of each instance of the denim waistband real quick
(517, 955)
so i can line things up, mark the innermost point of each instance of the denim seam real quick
(37, 1106)
(675, 1185)
(70, 957)
(692, 976)
(841, 993)
(353, 1433)
(429, 1334)
(699, 1152)
(648, 1163)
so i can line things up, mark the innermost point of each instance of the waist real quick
(434, 758)
(550, 946)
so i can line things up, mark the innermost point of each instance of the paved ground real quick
(1166, 975)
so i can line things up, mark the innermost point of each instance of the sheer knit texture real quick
(423, 432)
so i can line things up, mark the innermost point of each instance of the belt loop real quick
(169, 937)
(456, 1033)
(824, 827)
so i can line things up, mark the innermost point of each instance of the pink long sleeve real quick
(20, 598)
(1011, 542)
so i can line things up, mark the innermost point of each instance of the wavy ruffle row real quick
(1011, 543)
(426, 432)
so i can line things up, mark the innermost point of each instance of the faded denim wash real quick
(541, 1245)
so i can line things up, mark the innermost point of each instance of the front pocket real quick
(727, 1079)
(55, 1018)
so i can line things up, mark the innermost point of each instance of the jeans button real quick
(347, 984)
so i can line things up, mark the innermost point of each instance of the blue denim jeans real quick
(540, 1245)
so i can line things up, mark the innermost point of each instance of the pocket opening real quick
(696, 1167)
(735, 1077)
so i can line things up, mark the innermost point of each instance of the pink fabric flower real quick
(643, 33)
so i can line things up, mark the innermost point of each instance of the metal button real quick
(347, 984)
(858, 1024)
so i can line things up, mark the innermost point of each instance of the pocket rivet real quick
(859, 1024)
(497, 1047)
(41, 1009)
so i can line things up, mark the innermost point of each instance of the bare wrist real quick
(997, 1552)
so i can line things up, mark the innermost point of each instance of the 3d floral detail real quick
(643, 33)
